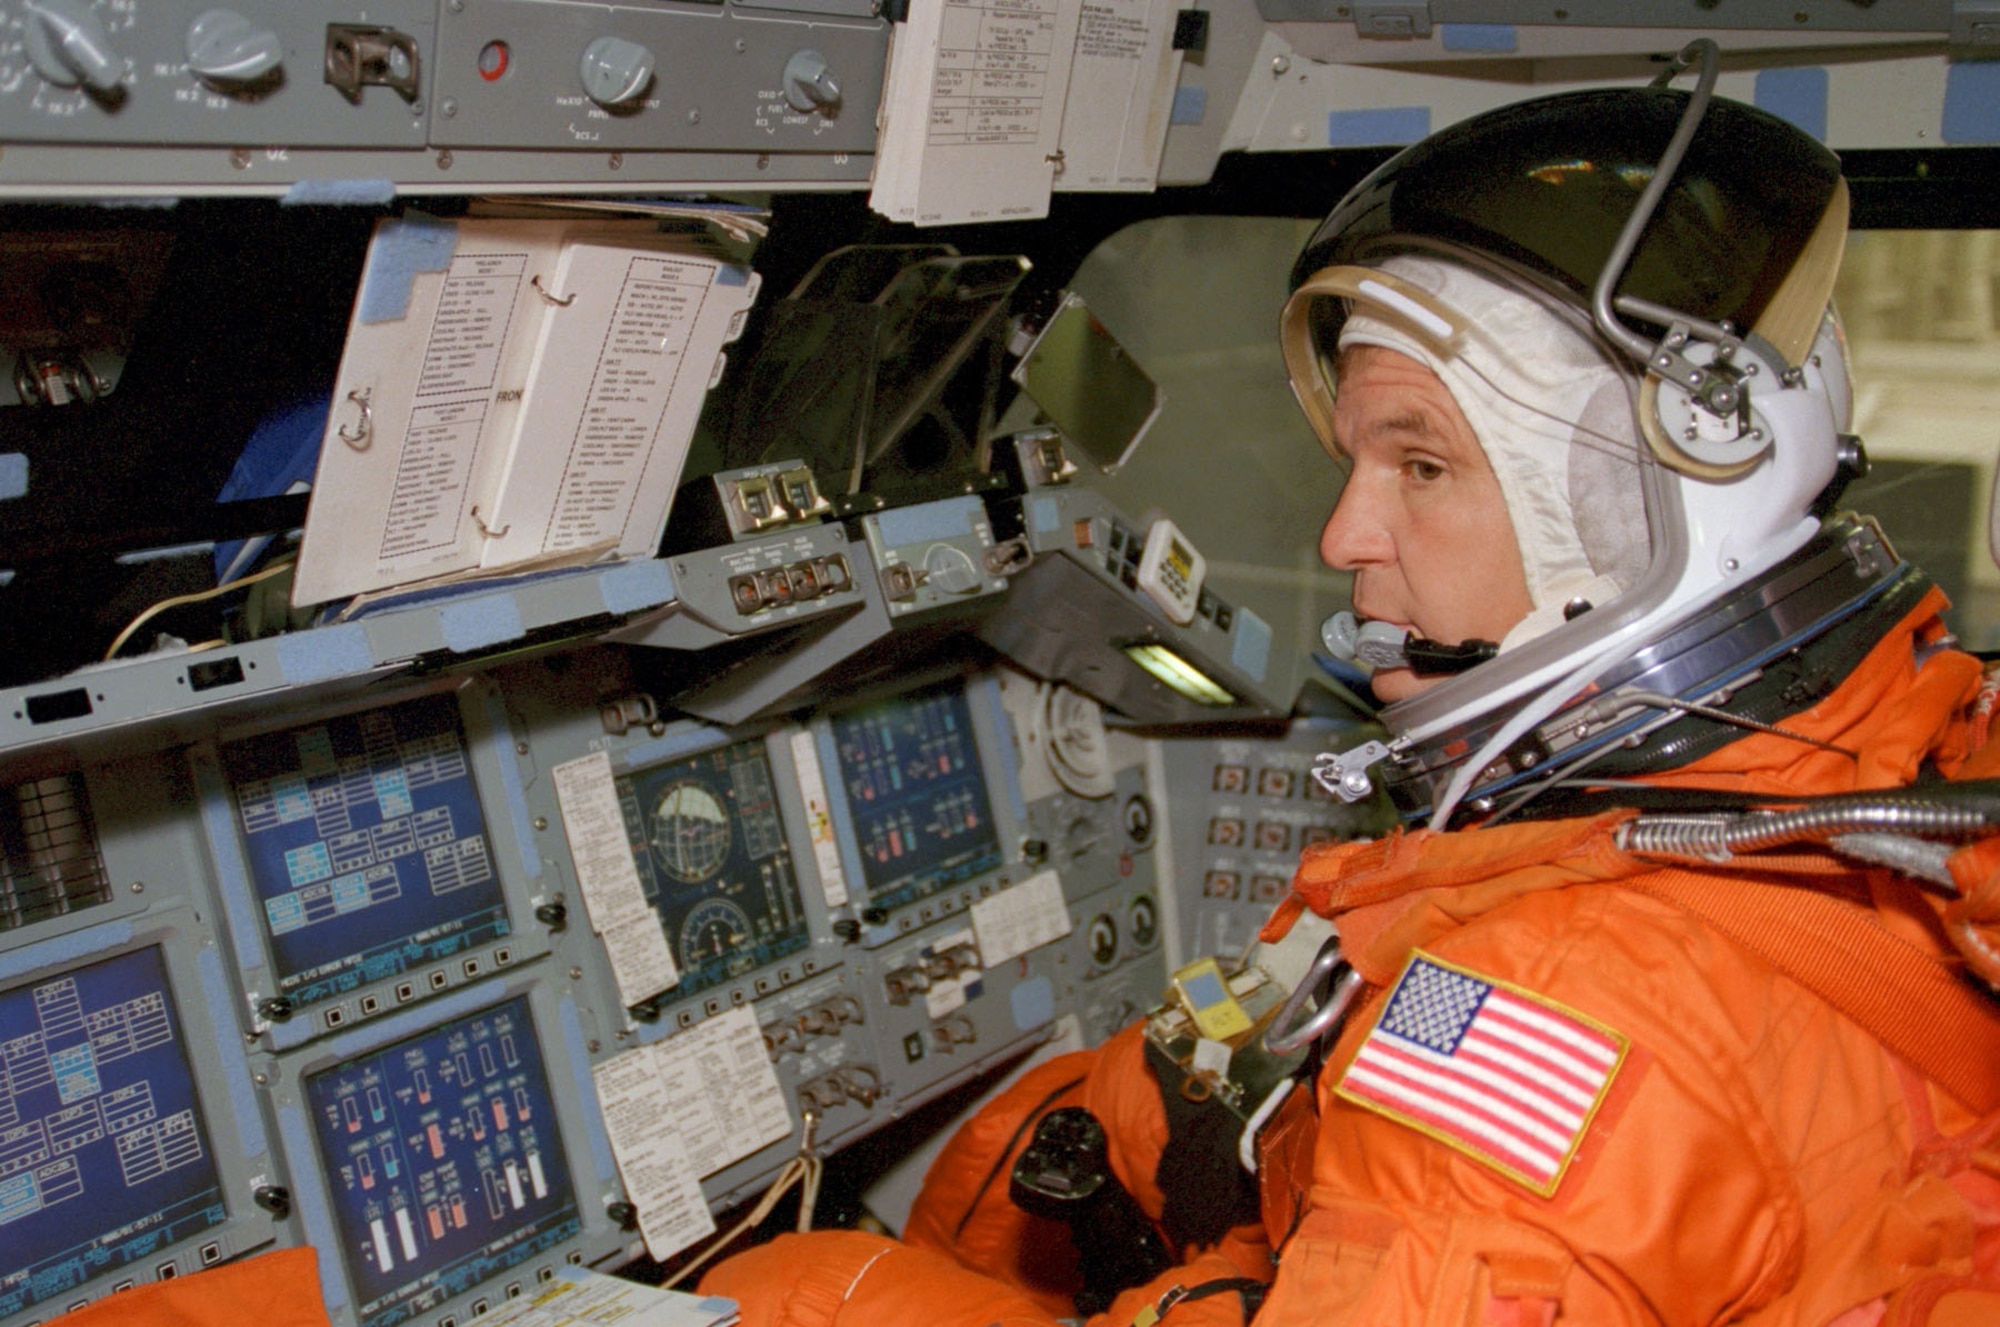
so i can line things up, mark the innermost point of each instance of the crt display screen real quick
(916, 794)
(443, 1160)
(713, 860)
(104, 1159)
(367, 848)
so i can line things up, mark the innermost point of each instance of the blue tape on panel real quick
(586, 1087)
(1971, 102)
(730, 274)
(310, 1198)
(1390, 126)
(631, 586)
(715, 1306)
(1796, 95)
(327, 652)
(235, 1066)
(1250, 648)
(929, 521)
(13, 475)
(1190, 106)
(292, 1032)
(64, 948)
(1045, 513)
(344, 193)
(1034, 1003)
(476, 624)
(1009, 764)
(517, 796)
(218, 817)
(402, 248)
(686, 742)
(1490, 38)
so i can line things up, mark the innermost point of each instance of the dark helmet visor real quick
(1544, 187)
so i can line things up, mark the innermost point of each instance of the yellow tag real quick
(1205, 994)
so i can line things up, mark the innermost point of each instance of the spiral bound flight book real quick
(511, 392)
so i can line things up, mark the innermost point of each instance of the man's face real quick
(1421, 521)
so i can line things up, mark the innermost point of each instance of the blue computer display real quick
(366, 844)
(714, 863)
(916, 794)
(444, 1161)
(104, 1159)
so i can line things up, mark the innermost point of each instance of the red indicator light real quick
(493, 58)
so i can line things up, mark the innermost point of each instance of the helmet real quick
(1695, 241)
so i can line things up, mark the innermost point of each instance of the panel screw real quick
(541, 822)
(447, 108)
(239, 157)
(520, 748)
(138, 886)
(444, 158)
(617, 161)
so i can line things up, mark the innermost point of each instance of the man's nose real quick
(1355, 535)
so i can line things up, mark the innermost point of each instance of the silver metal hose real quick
(1716, 838)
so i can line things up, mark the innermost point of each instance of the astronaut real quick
(1673, 1002)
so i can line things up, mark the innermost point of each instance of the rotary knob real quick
(68, 46)
(616, 72)
(809, 83)
(225, 47)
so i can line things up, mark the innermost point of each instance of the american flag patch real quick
(1501, 1074)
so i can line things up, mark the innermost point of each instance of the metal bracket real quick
(1345, 774)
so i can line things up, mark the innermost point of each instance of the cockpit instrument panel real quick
(917, 795)
(370, 858)
(104, 1155)
(366, 844)
(709, 842)
(443, 1159)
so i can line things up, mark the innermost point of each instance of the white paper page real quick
(819, 819)
(397, 484)
(1121, 95)
(996, 110)
(619, 375)
(579, 1297)
(904, 112)
(641, 962)
(1015, 920)
(724, 1096)
(659, 1180)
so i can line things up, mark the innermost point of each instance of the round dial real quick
(714, 929)
(1139, 819)
(1145, 921)
(690, 832)
(951, 569)
(616, 72)
(68, 45)
(810, 84)
(1103, 941)
(226, 48)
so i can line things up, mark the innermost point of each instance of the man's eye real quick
(1416, 467)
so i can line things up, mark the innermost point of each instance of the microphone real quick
(1378, 645)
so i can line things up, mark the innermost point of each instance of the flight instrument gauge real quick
(690, 832)
(714, 860)
(715, 928)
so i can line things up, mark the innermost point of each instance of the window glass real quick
(1230, 459)
(1924, 348)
